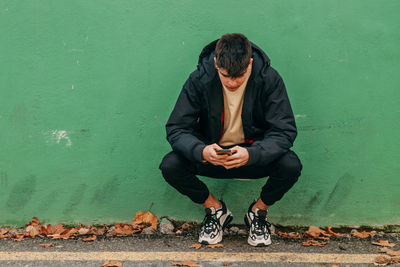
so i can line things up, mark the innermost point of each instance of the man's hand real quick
(211, 156)
(239, 158)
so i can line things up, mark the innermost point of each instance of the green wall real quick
(87, 86)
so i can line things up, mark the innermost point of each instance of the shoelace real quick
(210, 221)
(260, 223)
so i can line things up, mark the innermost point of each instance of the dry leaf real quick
(289, 235)
(47, 245)
(363, 234)
(383, 243)
(195, 245)
(330, 232)
(316, 232)
(185, 227)
(313, 243)
(112, 264)
(91, 238)
(216, 246)
(34, 221)
(390, 252)
(225, 263)
(4, 231)
(386, 260)
(145, 218)
(33, 230)
(335, 265)
(83, 231)
(184, 263)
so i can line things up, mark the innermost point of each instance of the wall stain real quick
(75, 199)
(106, 192)
(314, 201)
(21, 193)
(4, 179)
(339, 193)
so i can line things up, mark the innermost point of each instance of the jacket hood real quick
(206, 59)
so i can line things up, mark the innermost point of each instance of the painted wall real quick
(87, 86)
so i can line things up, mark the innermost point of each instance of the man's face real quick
(230, 83)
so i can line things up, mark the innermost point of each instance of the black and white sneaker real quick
(259, 232)
(214, 224)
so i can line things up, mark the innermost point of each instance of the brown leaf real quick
(225, 263)
(195, 246)
(91, 238)
(112, 264)
(34, 221)
(58, 229)
(314, 232)
(145, 218)
(387, 260)
(4, 231)
(47, 245)
(390, 252)
(292, 235)
(124, 229)
(383, 243)
(313, 243)
(216, 246)
(33, 230)
(363, 234)
(185, 227)
(330, 232)
(184, 263)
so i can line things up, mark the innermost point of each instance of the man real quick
(235, 100)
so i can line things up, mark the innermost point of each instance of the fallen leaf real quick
(313, 243)
(185, 227)
(184, 263)
(112, 264)
(83, 231)
(363, 234)
(4, 231)
(216, 246)
(387, 260)
(195, 245)
(289, 235)
(145, 218)
(91, 238)
(47, 245)
(33, 230)
(383, 243)
(330, 232)
(316, 232)
(390, 252)
(34, 221)
(225, 263)
(334, 265)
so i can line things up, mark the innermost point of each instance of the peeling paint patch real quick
(59, 135)
(300, 116)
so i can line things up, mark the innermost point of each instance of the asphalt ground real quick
(162, 250)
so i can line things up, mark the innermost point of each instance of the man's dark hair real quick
(233, 53)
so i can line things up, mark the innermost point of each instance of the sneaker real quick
(259, 232)
(214, 224)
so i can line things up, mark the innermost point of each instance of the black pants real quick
(181, 174)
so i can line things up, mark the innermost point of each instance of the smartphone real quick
(223, 152)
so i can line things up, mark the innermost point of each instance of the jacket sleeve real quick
(281, 131)
(183, 122)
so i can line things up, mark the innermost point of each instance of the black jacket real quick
(197, 118)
